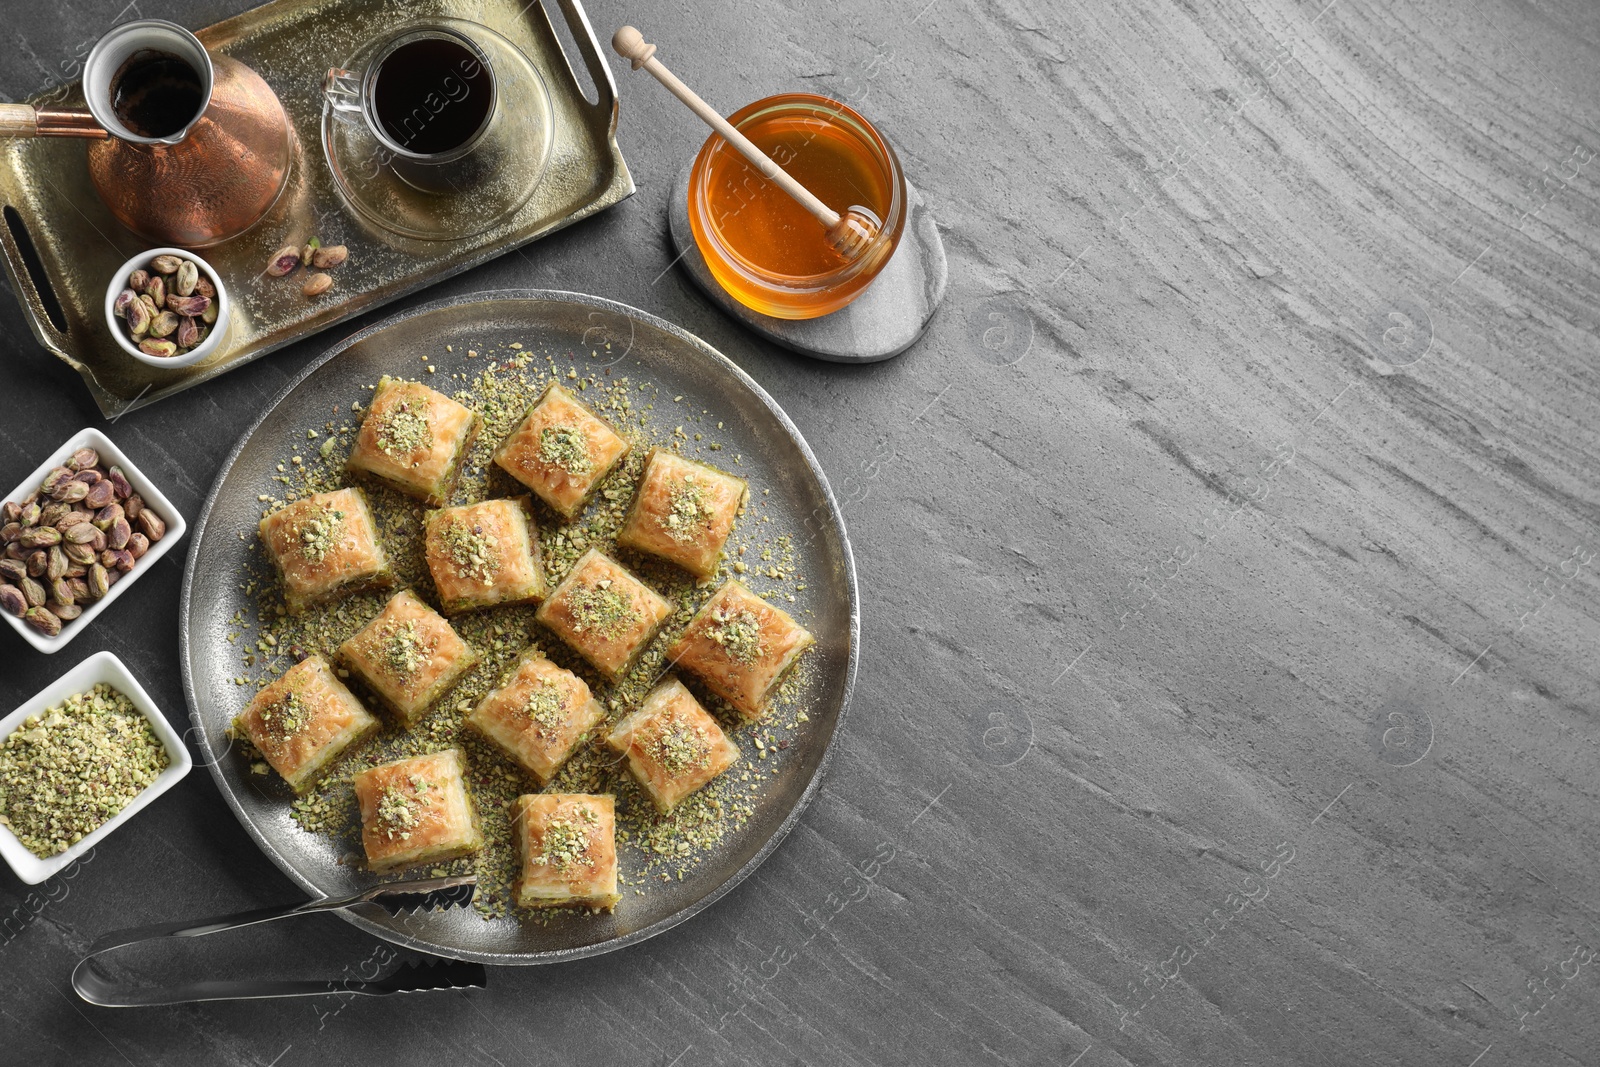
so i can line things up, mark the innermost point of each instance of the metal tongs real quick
(408, 897)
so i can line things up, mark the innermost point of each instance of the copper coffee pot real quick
(210, 180)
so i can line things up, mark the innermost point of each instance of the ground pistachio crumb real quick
(319, 533)
(69, 769)
(404, 428)
(739, 634)
(472, 549)
(565, 447)
(688, 510)
(602, 608)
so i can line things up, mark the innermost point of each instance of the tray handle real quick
(594, 60)
(48, 316)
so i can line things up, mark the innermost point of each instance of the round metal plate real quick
(643, 347)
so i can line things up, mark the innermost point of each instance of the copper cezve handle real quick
(25, 120)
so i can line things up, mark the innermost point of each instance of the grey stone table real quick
(1229, 691)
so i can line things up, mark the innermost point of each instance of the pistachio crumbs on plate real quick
(652, 847)
(68, 770)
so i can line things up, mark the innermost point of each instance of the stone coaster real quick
(882, 322)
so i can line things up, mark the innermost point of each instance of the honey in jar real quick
(762, 247)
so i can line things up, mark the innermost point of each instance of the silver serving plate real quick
(642, 346)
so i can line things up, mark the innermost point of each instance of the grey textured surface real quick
(1238, 501)
(885, 320)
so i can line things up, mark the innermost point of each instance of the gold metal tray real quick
(62, 245)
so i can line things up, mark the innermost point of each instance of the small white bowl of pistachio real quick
(167, 308)
(67, 552)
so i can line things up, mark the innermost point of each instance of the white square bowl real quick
(100, 667)
(110, 455)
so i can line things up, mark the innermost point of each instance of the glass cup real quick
(758, 244)
(432, 115)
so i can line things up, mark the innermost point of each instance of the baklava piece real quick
(673, 746)
(408, 656)
(325, 547)
(304, 721)
(484, 554)
(413, 439)
(539, 716)
(561, 450)
(740, 646)
(569, 851)
(416, 811)
(604, 613)
(683, 512)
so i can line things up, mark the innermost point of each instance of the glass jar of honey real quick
(762, 247)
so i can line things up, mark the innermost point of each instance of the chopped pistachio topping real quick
(567, 843)
(401, 649)
(565, 447)
(399, 810)
(680, 747)
(547, 706)
(70, 768)
(404, 428)
(738, 632)
(602, 608)
(320, 532)
(472, 550)
(688, 510)
(284, 717)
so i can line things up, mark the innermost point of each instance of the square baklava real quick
(484, 554)
(683, 512)
(325, 547)
(604, 613)
(539, 716)
(569, 851)
(739, 646)
(408, 656)
(561, 450)
(416, 811)
(304, 721)
(673, 746)
(413, 439)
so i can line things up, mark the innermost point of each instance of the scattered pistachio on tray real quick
(71, 541)
(169, 306)
(314, 257)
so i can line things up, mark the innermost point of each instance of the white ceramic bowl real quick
(100, 667)
(176, 528)
(119, 328)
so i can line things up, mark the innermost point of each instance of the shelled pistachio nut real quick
(120, 481)
(43, 620)
(327, 258)
(187, 305)
(152, 525)
(186, 277)
(100, 495)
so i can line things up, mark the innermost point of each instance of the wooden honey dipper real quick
(849, 234)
